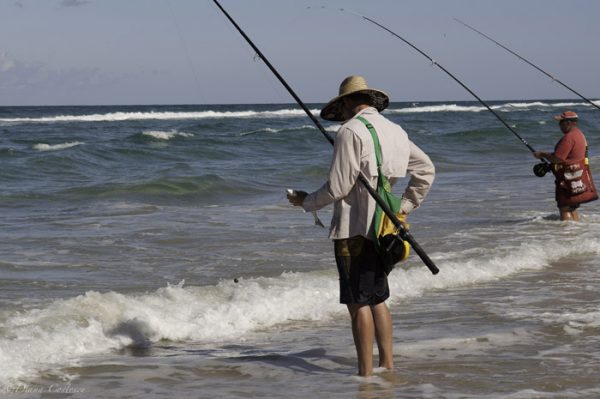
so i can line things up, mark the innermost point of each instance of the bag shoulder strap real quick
(382, 181)
(375, 140)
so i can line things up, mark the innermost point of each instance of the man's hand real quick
(296, 197)
(402, 218)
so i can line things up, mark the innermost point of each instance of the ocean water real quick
(149, 251)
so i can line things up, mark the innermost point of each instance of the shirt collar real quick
(364, 111)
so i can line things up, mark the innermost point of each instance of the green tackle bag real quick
(390, 246)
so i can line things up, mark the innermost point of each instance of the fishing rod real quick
(404, 234)
(528, 62)
(433, 62)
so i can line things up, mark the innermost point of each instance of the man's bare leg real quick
(363, 331)
(567, 213)
(384, 334)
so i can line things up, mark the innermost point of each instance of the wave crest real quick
(162, 135)
(286, 111)
(56, 147)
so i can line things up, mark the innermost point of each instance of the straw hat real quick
(569, 115)
(353, 84)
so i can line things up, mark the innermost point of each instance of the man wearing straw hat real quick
(363, 281)
(570, 165)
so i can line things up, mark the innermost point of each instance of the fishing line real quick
(528, 62)
(404, 234)
(433, 62)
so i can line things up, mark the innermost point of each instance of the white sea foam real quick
(572, 322)
(331, 128)
(66, 330)
(473, 344)
(528, 105)
(265, 130)
(125, 116)
(509, 106)
(55, 147)
(437, 108)
(96, 322)
(162, 135)
(280, 113)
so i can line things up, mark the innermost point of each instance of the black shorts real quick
(570, 208)
(362, 278)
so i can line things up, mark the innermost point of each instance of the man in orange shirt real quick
(570, 165)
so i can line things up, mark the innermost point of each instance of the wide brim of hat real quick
(332, 111)
(562, 118)
(569, 115)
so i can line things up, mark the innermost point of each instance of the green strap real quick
(382, 181)
(375, 140)
(384, 188)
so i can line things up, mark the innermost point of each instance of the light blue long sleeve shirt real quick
(353, 154)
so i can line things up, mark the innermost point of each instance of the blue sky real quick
(88, 52)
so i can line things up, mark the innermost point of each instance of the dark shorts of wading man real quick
(362, 277)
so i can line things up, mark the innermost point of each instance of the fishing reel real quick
(393, 250)
(541, 169)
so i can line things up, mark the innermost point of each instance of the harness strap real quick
(375, 139)
(382, 181)
(384, 188)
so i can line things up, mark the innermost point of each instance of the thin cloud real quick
(16, 75)
(73, 3)
(6, 63)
